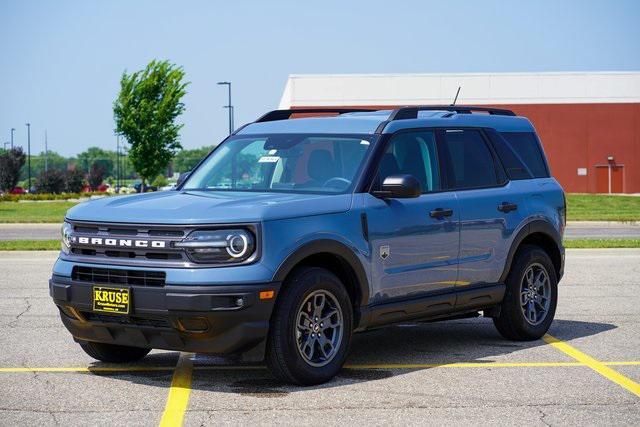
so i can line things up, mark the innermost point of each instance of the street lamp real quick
(229, 106)
(5, 144)
(12, 131)
(29, 155)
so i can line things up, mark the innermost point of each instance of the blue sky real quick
(61, 61)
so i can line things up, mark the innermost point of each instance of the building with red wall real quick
(589, 123)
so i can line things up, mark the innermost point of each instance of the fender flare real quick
(535, 226)
(332, 247)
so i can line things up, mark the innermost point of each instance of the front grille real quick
(168, 255)
(124, 320)
(112, 276)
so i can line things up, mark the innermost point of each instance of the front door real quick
(414, 242)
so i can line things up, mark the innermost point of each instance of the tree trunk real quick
(142, 185)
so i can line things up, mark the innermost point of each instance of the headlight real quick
(65, 232)
(219, 246)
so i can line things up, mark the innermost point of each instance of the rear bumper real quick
(202, 319)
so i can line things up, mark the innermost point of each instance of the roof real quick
(380, 90)
(369, 122)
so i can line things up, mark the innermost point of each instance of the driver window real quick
(412, 153)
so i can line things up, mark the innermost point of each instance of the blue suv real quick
(309, 225)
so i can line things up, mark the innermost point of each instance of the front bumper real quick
(202, 319)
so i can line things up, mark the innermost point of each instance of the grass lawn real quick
(580, 207)
(591, 207)
(601, 243)
(29, 245)
(34, 211)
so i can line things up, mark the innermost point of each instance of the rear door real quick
(490, 211)
(414, 242)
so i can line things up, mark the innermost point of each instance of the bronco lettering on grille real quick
(124, 243)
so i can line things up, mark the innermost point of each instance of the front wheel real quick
(113, 353)
(310, 328)
(531, 296)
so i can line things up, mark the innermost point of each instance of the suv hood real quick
(207, 207)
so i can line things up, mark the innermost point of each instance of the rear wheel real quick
(531, 296)
(113, 353)
(310, 328)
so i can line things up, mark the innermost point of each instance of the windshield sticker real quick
(269, 159)
(272, 152)
(364, 142)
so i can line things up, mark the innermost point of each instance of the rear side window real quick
(521, 155)
(471, 162)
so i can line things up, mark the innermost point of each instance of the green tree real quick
(145, 113)
(93, 155)
(51, 160)
(185, 160)
(10, 163)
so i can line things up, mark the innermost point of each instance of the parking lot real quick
(587, 371)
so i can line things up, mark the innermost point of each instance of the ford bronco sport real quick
(296, 232)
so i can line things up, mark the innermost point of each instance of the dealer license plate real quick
(111, 300)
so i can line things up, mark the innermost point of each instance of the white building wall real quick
(477, 89)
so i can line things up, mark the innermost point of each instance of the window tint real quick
(525, 148)
(412, 153)
(472, 164)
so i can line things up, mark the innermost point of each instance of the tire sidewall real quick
(305, 283)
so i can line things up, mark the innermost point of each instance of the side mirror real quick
(399, 187)
(182, 178)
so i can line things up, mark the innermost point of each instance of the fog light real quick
(239, 302)
(193, 324)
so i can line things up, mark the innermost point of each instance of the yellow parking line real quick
(594, 364)
(489, 364)
(179, 392)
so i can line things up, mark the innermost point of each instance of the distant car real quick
(147, 187)
(293, 234)
(102, 188)
(168, 187)
(18, 190)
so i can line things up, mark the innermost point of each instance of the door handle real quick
(440, 213)
(507, 207)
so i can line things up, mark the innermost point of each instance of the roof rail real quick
(411, 112)
(286, 114)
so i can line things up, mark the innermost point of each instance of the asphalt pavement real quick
(575, 230)
(456, 373)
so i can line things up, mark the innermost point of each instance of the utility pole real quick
(46, 152)
(29, 155)
(118, 162)
(228, 106)
(12, 131)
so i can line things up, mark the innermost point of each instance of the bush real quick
(160, 181)
(52, 181)
(48, 196)
(10, 163)
(96, 175)
(74, 181)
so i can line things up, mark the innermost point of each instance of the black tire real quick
(113, 353)
(511, 322)
(283, 356)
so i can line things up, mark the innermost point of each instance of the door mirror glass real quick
(399, 187)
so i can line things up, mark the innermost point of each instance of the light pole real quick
(5, 144)
(12, 131)
(229, 106)
(29, 155)
(46, 152)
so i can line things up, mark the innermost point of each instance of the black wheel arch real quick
(542, 234)
(336, 257)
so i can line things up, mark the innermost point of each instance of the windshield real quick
(297, 163)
